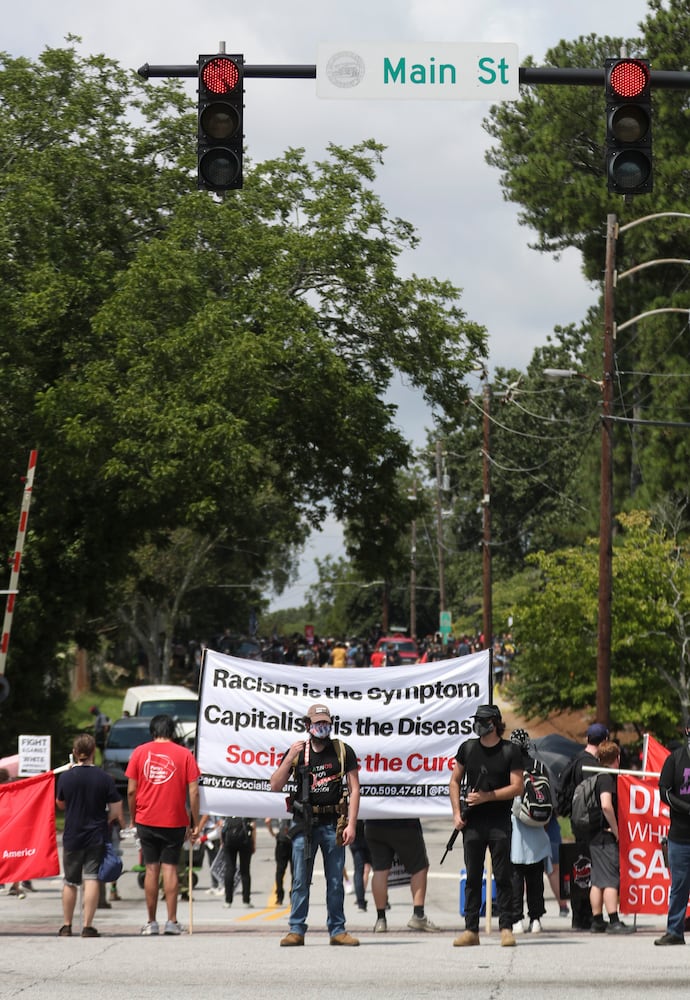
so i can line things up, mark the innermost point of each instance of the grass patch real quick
(108, 699)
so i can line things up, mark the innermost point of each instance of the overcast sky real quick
(434, 174)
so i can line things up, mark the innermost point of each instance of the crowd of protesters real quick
(336, 652)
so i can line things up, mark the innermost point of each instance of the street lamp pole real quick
(606, 485)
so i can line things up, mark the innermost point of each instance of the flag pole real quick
(190, 884)
(16, 565)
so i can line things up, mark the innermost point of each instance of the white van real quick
(147, 700)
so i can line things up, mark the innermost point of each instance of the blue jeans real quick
(323, 837)
(679, 863)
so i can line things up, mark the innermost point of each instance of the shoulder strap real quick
(340, 750)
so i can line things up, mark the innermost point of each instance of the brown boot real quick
(346, 939)
(466, 940)
(292, 940)
(507, 938)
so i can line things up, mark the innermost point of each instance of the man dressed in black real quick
(486, 777)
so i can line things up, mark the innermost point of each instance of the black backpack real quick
(237, 832)
(586, 818)
(567, 783)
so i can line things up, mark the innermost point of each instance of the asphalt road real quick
(235, 952)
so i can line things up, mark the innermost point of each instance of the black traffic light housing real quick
(219, 146)
(628, 126)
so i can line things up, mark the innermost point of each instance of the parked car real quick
(407, 648)
(125, 734)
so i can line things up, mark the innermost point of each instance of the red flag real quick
(28, 844)
(654, 754)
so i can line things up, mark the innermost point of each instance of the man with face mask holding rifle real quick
(318, 766)
(486, 777)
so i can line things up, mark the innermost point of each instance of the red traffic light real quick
(628, 126)
(628, 78)
(220, 75)
(219, 136)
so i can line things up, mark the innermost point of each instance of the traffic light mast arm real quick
(564, 76)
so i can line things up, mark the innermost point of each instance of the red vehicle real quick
(406, 648)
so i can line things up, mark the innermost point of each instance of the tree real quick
(191, 364)
(549, 148)
(556, 630)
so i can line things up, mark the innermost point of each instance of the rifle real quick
(464, 809)
(302, 807)
(449, 845)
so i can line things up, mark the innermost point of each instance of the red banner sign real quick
(643, 821)
(28, 844)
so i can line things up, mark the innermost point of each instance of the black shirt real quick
(485, 770)
(675, 778)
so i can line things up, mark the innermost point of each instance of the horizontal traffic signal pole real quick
(563, 76)
(286, 72)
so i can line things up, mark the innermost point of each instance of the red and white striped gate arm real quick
(17, 560)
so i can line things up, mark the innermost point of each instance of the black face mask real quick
(482, 727)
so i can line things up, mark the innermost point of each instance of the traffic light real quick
(219, 147)
(628, 126)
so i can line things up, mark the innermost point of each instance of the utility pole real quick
(413, 570)
(486, 519)
(606, 485)
(439, 532)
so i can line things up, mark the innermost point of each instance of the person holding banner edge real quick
(674, 789)
(319, 765)
(487, 776)
(90, 802)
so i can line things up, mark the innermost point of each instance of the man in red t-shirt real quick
(376, 659)
(163, 776)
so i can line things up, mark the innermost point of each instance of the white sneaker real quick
(534, 927)
(518, 928)
(150, 928)
(172, 927)
(349, 888)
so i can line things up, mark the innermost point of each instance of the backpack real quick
(237, 832)
(567, 783)
(586, 816)
(535, 806)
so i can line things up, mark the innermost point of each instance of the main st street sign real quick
(477, 71)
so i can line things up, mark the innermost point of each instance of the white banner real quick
(404, 723)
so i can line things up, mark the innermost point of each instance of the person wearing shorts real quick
(162, 776)
(605, 877)
(89, 798)
(402, 837)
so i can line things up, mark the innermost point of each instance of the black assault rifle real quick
(302, 809)
(464, 809)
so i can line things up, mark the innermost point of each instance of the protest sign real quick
(643, 821)
(27, 829)
(404, 723)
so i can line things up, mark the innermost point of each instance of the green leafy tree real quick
(182, 363)
(549, 149)
(556, 630)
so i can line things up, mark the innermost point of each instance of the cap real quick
(488, 712)
(521, 738)
(319, 713)
(597, 733)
